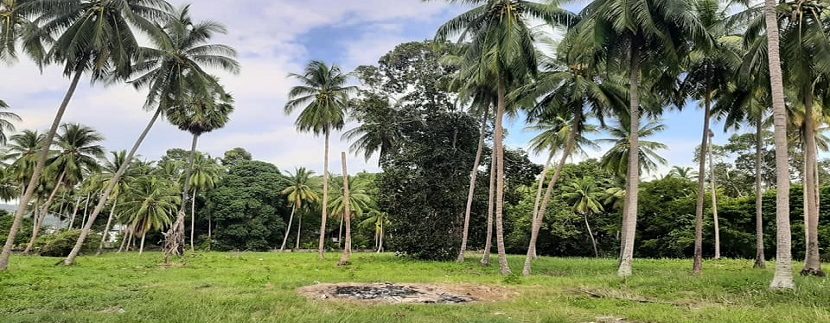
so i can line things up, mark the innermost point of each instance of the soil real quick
(386, 293)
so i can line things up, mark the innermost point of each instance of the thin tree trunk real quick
(471, 192)
(322, 244)
(38, 171)
(633, 172)
(143, 235)
(760, 260)
(193, 220)
(783, 278)
(174, 242)
(299, 227)
(288, 229)
(124, 235)
(543, 207)
(70, 259)
(812, 264)
(504, 267)
(591, 234)
(85, 219)
(340, 233)
(210, 231)
(713, 182)
(697, 267)
(346, 258)
(132, 236)
(491, 195)
(107, 228)
(74, 212)
(380, 243)
(538, 198)
(44, 211)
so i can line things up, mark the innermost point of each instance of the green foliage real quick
(246, 208)
(23, 235)
(59, 244)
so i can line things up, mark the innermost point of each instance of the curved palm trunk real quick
(70, 259)
(760, 260)
(38, 171)
(44, 211)
(322, 244)
(74, 212)
(504, 267)
(633, 172)
(783, 278)
(299, 227)
(812, 264)
(713, 182)
(543, 207)
(591, 235)
(538, 199)
(124, 236)
(193, 220)
(346, 258)
(697, 267)
(107, 227)
(491, 195)
(288, 229)
(471, 192)
(130, 240)
(174, 242)
(85, 219)
(143, 235)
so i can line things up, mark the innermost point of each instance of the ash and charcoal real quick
(391, 293)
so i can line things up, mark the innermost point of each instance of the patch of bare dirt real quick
(386, 293)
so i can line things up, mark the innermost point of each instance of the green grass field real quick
(257, 287)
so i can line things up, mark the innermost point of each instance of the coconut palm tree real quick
(70, 27)
(585, 197)
(683, 172)
(6, 124)
(22, 153)
(149, 204)
(201, 111)
(79, 151)
(175, 64)
(500, 54)
(17, 26)
(359, 201)
(377, 220)
(110, 169)
(206, 173)
(323, 96)
(301, 189)
(615, 160)
(650, 39)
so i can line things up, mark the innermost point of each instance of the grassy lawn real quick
(247, 287)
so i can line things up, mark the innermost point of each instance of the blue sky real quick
(274, 38)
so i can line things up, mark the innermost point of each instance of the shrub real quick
(60, 243)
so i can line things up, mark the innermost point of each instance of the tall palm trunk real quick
(70, 259)
(85, 219)
(591, 235)
(38, 171)
(74, 212)
(143, 235)
(697, 267)
(288, 229)
(346, 258)
(299, 227)
(812, 263)
(132, 237)
(193, 219)
(543, 207)
(538, 199)
(44, 211)
(491, 195)
(713, 182)
(471, 192)
(340, 233)
(124, 236)
(380, 242)
(210, 232)
(633, 172)
(174, 242)
(760, 260)
(504, 267)
(783, 278)
(107, 227)
(322, 244)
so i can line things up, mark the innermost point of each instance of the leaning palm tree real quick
(300, 190)
(204, 176)
(615, 160)
(22, 153)
(149, 204)
(500, 54)
(175, 64)
(650, 39)
(17, 26)
(110, 169)
(585, 197)
(202, 110)
(323, 96)
(6, 124)
(94, 37)
(79, 151)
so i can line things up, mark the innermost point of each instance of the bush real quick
(23, 234)
(60, 243)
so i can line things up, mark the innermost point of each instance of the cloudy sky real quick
(274, 38)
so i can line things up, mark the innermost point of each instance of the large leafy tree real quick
(202, 110)
(500, 53)
(94, 37)
(172, 69)
(301, 189)
(640, 37)
(323, 96)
